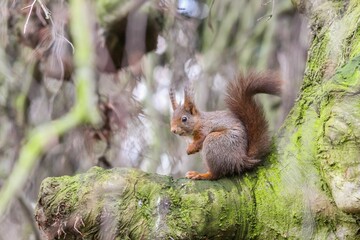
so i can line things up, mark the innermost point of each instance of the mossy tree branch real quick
(130, 204)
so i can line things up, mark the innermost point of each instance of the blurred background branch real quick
(84, 110)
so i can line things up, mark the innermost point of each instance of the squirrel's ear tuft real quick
(174, 104)
(189, 104)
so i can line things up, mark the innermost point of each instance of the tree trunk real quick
(308, 187)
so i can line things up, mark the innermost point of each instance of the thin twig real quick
(68, 41)
(31, 6)
(269, 16)
(45, 9)
(57, 34)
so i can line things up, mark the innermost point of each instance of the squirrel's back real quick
(240, 102)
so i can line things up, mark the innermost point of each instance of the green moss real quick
(317, 61)
(131, 204)
(300, 169)
(350, 24)
(191, 209)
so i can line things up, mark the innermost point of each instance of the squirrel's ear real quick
(173, 98)
(189, 104)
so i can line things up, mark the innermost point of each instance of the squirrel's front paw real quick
(192, 149)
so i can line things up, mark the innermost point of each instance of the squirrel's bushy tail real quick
(240, 101)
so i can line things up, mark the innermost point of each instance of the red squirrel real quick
(231, 141)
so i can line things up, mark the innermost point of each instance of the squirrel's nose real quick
(173, 130)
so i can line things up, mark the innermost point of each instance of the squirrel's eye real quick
(183, 118)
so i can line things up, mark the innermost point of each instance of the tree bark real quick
(308, 187)
(130, 204)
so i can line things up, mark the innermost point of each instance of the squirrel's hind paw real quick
(191, 174)
(199, 176)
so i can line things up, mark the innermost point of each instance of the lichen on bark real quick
(130, 204)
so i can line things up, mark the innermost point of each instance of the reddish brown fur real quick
(230, 141)
(240, 101)
(197, 143)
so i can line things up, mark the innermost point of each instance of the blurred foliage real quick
(141, 49)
